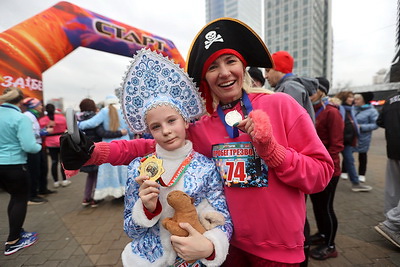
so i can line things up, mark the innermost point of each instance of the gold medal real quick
(152, 167)
(233, 117)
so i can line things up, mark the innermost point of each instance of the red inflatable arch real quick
(36, 44)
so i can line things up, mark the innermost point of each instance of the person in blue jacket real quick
(366, 116)
(350, 140)
(16, 139)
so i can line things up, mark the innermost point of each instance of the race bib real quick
(239, 165)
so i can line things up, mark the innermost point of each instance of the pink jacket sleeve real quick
(122, 152)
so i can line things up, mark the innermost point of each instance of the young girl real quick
(166, 116)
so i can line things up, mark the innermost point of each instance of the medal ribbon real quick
(179, 172)
(245, 103)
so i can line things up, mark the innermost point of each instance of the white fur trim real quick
(129, 259)
(221, 246)
(208, 216)
(140, 218)
(212, 219)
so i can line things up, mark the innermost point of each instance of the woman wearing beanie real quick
(279, 156)
(16, 139)
(366, 116)
(329, 125)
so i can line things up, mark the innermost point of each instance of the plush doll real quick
(185, 211)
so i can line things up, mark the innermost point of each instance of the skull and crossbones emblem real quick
(212, 37)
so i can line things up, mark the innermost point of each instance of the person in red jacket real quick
(329, 125)
(264, 144)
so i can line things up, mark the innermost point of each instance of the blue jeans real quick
(348, 161)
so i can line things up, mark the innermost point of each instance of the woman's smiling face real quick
(225, 78)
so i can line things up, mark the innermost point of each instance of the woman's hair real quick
(344, 95)
(247, 87)
(12, 95)
(87, 104)
(50, 109)
(114, 118)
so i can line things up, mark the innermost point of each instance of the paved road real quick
(70, 235)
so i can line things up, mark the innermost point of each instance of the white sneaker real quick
(65, 183)
(361, 188)
(361, 178)
(344, 176)
(56, 184)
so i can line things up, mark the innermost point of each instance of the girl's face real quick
(225, 78)
(358, 100)
(167, 127)
(350, 100)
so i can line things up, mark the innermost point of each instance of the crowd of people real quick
(294, 136)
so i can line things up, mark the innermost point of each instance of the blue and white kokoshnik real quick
(153, 80)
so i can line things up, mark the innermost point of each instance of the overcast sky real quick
(364, 40)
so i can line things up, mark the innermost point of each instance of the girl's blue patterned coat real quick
(151, 244)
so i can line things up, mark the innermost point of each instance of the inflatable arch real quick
(31, 47)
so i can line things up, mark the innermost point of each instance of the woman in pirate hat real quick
(264, 144)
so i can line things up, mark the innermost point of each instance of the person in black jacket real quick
(390, 120)
(88, 110)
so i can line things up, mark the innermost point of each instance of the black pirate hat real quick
(225, 33)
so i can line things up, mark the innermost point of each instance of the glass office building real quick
(248, 11)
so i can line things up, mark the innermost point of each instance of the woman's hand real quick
(246, 125)
(259, 127)
(148, 192)
(193, 247)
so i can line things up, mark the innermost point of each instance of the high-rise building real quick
(304, 29)
(301, 27)
(248, 11)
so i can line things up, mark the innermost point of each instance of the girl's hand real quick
(193, 247)
(148, 192)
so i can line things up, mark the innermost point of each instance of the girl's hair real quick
(50, 108)
(246, 87)
(87, 104)
(114, 118)
(12, 95)
(344, 95)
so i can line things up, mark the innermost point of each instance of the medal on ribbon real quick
(233, 117)
(152, 167)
